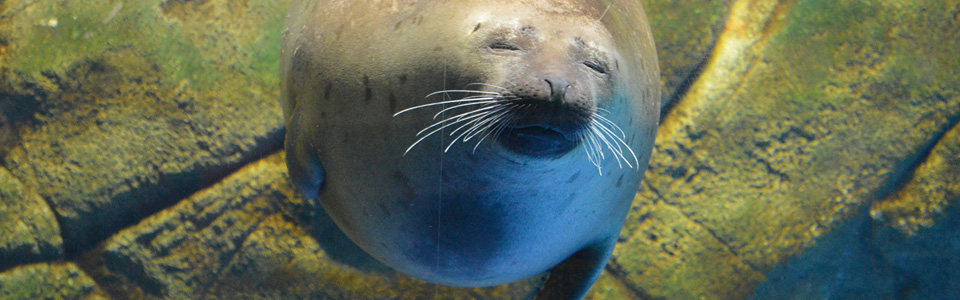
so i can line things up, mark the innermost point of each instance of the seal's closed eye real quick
(503, 45)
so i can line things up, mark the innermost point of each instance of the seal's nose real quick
(558, 87)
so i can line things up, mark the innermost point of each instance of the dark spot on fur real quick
(393, 102)
(367, 91)
(407, 190)
(574, 177)
(397, 27)
(476, 28)
(340, 30)
(326, 91)
(384, 210)
(403, 78)
(620, 180)
(528, 30)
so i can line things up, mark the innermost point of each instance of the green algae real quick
(684, 32)
(48, 281)
(60, 33)
(86, 29)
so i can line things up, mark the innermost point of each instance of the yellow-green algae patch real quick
(934, 186)
(28, 228)
(138, 106)
(52, 35)
(807, 111)
(59, 33)
(610, 287)
(49, 281)
(685, 33)
(668, 256)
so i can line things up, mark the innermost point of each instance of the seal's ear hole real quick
(503, 45)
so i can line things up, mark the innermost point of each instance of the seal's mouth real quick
(538, 140)
(544, 128)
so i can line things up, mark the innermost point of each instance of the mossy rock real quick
(49, 281)
(685, 33)
(123, 108)
(933, 187)
(808, 112)
(28, 228)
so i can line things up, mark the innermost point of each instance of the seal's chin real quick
(538, 141)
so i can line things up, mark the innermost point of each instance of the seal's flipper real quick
(302, 162)
(572, 278)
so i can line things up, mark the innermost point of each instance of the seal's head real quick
(544, 83)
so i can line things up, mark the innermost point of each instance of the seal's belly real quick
(462, 218)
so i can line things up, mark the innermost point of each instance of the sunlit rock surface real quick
(28, 228)
(685, 33)
(808, 112)
(49, 281)
(932, 188)
(129, 106)
(140, 150)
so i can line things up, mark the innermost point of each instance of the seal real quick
(475, 142)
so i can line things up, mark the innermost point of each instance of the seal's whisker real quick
(486, 128)
(619, 150)
(606, 131)
(457, 121)
(593, 152)
(494, 125)
(479, 118)
(619, 141)
(507, 122)
(624, 142)
(605, 120)
(587, 147)
(428, 135)
(461, 92)
(487, 85)
(457, 118)
(593, 137)
(600, 135)
(461, 136)
(482, 126)
(439, 103)
(464, 105)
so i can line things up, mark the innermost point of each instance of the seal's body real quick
(523, 131)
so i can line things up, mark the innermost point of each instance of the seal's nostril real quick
(558, 87)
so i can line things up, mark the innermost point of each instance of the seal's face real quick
(544, 85)
(555, 84)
